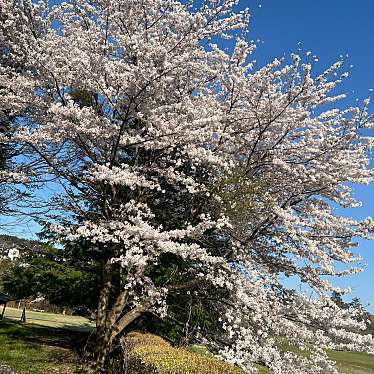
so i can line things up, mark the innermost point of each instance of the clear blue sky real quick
(329, 29)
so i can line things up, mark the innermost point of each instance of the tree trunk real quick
(102, 352)
(110, 321)
(105, 338)
(102, 349)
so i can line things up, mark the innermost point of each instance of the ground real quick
(353, 362)
(47, 344)
(53, 343)
(51, 319)
(5, 369)
(33, 349)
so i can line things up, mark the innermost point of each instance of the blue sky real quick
(328, 29)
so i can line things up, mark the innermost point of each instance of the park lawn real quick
(32, 349)
(51, 319)
(347, 362)
(353, 362)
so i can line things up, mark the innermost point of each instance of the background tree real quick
(13, 252)
(188, 171)
(62, 280)
(338, 300)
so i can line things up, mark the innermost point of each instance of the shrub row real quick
(150, 354)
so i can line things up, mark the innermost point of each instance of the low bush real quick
(150, 354)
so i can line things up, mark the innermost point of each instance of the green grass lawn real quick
(51, 319)
(32, 349)
(347, 362)
(353, 362)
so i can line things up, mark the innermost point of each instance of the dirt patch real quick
(4, 369)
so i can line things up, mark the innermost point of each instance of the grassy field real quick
(353, 362)
(51, 319)
(347, 362)
(33, 349)
(53, 343)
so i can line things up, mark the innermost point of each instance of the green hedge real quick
(150, 354)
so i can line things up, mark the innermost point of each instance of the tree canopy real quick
(183, 168)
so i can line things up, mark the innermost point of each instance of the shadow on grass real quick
(66, 336)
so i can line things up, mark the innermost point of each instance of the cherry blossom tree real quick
(166, 144)
(13, 175)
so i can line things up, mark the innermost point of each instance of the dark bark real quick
(106, 339)
(111, 321)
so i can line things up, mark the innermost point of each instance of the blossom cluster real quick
(135, 111)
